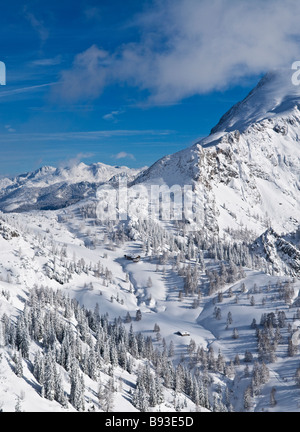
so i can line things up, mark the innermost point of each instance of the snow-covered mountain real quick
(274, 95)
(207, 319)
(52, 188)
(245, 175)
(247, 171)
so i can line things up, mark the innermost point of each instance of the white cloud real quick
(21, 90)
(87, 77)
(9, 128)
(191, 47)
(112, 115)
(83, 135)
(124, 155)
(47, 61)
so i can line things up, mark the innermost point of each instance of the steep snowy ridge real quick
(274, 95)
(251, 174)
(284, 256)
(259, 173)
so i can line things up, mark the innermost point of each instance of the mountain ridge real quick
(274, 94)
(245, 173)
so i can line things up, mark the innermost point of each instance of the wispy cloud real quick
(124, 155)
(112, 116)
(80, 136)
(190, 47)
(47, 61)
(93, 13)
(75, 160)
(86, 78)
(16, 91)
(9, 128)
(36, 24)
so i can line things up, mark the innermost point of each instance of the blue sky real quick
(127, 82)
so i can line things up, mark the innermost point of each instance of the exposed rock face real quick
(282, 254)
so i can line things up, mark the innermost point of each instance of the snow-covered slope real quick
(246, 173)
(46, 269)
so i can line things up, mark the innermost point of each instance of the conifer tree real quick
(77, 387)
(49, 382)
(19, 366)
(248, 398)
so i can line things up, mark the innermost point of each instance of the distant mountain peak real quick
(53, 188)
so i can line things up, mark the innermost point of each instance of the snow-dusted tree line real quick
(70, 340)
